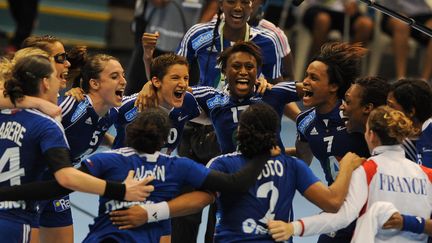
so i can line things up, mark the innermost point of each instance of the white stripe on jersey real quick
(67, 105)
(183, 49)
(410, 149)
(272, 37)
(290, 86)
(125, 151)
(203, 91)
(129, 97)
(281, 37)
(39, 113)
(233, 154)
(26, 233)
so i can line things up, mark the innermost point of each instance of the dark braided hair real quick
(343, 63)
(149, 131)
(257, 130)
(213, 43)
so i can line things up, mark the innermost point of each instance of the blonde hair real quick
(7, 65)
(391, 125)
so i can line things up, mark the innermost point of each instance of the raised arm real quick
(327, 222)
(331, 198)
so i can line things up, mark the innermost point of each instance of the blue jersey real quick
(25, 135)
(328, 139)
(178, 116)
(84, 128)
(224, 110)
(170, 174)
(424, 144)
(244, 217)
(197, 44)
(420, 149)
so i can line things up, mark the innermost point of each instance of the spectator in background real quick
(323, 16)
(24, 13)
(421, 12)
(257, 20)
(171, 19)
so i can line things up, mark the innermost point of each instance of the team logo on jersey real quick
(201, 39)
(218, 100)
(305, 122)
(340, 128)
(61, 204)
(181, 118)
(313, 131)
(132, 114)
(89, 121)
(80, 110)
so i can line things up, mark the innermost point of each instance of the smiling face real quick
(111, 84)
(62, 69)
(318, 92)
(236, 12)
(241, 73)
(54, 85)
(353, 111)
(172, 87)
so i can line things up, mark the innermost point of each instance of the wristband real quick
(413, 224)
(114, 190)
(157, 212)
(298, 228)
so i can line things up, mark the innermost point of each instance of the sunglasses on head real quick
(60, 58)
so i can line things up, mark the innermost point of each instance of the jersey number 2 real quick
(262, 192)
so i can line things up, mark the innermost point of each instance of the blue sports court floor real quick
(302, 207)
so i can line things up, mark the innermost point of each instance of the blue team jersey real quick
(224, 110)
(84, 128)
(25, 135)
(244, 217)
(197, 43)
(424, 144)
(170, 172)
(328, 139)
(178, 117)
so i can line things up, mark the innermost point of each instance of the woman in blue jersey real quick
(169, 79)
(145, 136)
(31, 141)
(321, 131)
(240, 64)
(414, 98)
(244, 217)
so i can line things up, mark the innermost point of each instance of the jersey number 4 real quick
(14, 173)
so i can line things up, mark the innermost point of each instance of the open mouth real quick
(119, 93)
(179, 93)
(308, 93)
(237, 16)
(242, 81)
(64, 75)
